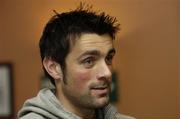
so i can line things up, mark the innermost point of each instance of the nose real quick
(104, 72)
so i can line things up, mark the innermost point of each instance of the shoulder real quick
(110, 112)
(32, 116)
(121, 116)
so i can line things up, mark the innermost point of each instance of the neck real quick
(84, 113)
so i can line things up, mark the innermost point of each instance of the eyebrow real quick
(96, 52)
(112, 51)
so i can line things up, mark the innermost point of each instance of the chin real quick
(102, 102)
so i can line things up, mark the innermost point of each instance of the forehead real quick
(93, 42)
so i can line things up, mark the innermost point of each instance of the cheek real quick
(82, 78)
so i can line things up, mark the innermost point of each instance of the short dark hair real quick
(64, 28)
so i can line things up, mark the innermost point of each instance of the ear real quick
(53, 68)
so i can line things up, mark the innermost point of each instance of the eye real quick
(109, 59)
(89, 62)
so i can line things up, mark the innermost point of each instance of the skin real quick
(88, 75)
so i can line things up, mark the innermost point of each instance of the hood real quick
(46, 105)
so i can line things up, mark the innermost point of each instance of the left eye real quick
(109, 60)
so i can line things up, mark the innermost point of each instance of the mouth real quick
(101, 90)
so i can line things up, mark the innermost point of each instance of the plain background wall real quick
(147, 60)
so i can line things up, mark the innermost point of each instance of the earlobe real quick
(53, 68)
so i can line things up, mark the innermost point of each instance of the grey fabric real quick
(46, 106)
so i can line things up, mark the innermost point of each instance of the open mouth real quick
(100, 87)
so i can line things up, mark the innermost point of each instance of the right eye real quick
(88, 62)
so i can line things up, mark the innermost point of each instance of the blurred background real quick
(147, 63)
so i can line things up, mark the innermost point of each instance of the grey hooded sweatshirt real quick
(46, 106)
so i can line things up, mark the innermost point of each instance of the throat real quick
(84, 113)
(88, 115)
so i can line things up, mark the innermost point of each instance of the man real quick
(77, 51)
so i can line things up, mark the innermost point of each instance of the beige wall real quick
(147, 59)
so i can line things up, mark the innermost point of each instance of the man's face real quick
(88, 71)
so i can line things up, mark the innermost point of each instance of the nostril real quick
(104, 76)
